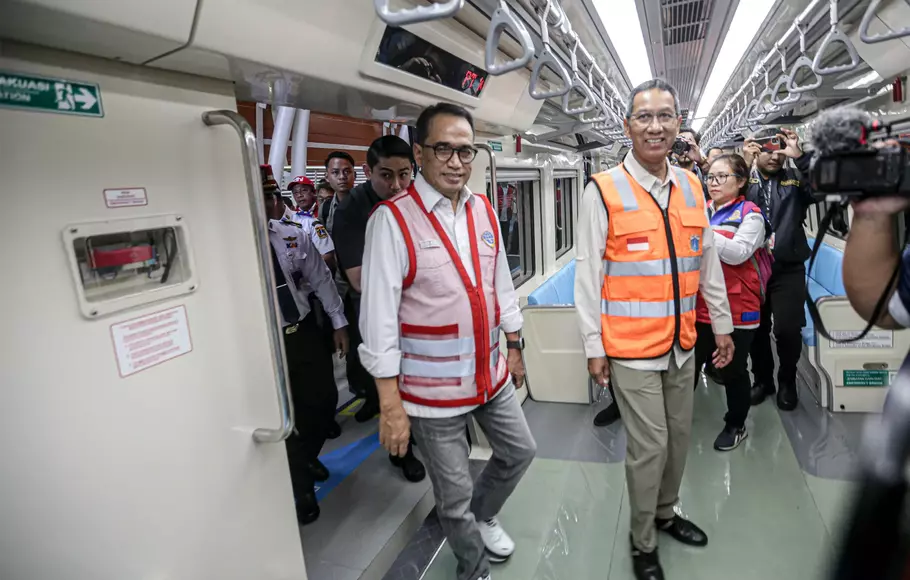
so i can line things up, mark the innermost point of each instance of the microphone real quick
(838, 130)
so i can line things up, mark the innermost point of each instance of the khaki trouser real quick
(656, 409)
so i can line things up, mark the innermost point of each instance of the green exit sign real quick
(495, 145)
(49, 95)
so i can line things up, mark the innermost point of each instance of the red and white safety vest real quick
(449, 326)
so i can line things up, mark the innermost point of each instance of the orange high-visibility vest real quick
(651, 265)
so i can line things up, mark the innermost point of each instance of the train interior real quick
(138, 126)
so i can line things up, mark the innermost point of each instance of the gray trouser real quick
(656, 409)
(460, 503)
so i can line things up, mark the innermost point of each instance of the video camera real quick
(680, 147)
(849, 166)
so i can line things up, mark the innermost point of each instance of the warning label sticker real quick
(129, 197)
(874, 339)
(144, 342)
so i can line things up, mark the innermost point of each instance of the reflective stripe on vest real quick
(431, 352)
(650, 267)
(646, 309)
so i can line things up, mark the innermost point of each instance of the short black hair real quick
(428, 114)
(339, 155)
(386, 147)
(710, 149)
(695, 134)
(652, 84)
(325, 185)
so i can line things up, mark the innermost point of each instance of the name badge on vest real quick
(488, 239)
(694, 243)
(427, 244)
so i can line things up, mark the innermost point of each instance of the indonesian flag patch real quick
(637, 244)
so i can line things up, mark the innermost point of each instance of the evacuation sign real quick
(868, 378)
(48, 95)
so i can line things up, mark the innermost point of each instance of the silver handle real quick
(835, 34)
(548, 57)
(803, 62)
(261, 235)
(867, 20)
(493, 190)
(783, 81)
(418, 14)
(502, 19)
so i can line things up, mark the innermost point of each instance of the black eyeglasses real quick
(444, 152)
(720, 178)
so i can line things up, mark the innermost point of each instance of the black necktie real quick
(285, 299)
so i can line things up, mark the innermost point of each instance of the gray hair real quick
(652, 84)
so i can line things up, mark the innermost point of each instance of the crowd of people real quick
(684, 261)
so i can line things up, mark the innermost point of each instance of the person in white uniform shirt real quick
(644, 251)
(311, 375)
(437, 292)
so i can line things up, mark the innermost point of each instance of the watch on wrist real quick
(516, 344)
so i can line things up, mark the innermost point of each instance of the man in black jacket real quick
(784, 195)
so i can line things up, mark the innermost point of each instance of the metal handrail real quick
(503, 18)
(834, 35)
(579, 84)
(867, 20)
(548, 57)
(493, 194)
(418, 13)
(261, 236)
(783, 81)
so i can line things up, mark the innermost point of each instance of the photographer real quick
(784, 195)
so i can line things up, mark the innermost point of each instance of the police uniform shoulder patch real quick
(288, 222)
(320, 230)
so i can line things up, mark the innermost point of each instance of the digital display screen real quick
(405, 51)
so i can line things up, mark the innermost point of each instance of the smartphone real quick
(770, 144)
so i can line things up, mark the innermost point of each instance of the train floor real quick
(771, 507)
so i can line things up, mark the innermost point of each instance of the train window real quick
(564, 190)
(516, 221)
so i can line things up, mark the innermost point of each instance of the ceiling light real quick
(861, 82)
(620, 18)
(746, 22)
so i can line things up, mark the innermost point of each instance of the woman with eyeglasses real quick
(740, 232)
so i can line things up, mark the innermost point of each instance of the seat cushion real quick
(557, 289)
(828, 269)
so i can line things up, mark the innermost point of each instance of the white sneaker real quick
(498, 543)
(487, 577)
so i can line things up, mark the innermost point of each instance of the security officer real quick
(389, 165)
(309, 361)
(340, 173)
(304, 193)
(784, 195)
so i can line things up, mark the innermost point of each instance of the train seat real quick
(554, 353)
(825, 279)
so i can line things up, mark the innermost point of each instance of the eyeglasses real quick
(444, 152)
(720, 178)
(645, 118)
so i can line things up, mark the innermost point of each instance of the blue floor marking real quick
(342, 462)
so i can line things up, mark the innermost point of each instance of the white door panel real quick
(156, 475)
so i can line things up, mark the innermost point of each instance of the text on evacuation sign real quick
(868, 378)
(495, 145)
(48, 95)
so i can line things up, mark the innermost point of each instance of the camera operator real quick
(692, 158)
(784, 195)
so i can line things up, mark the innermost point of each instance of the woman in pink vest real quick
(740, 232)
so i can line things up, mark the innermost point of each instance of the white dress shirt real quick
(304, 268)
(593, 227)
(385, 266)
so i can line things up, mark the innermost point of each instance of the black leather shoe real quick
(307, 508)
(684, 531)
(608, 416)
(759, 392)
(319, 471)
(787, 397)
(366, 412)
(334, 431)
(646, 565)
(411, 467)
(713, 374)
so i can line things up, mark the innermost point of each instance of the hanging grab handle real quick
(834, 35)
(577, 84)
(548, 57)
(867, 20)
(783, 81)
(418, 14)
(503, 19)
(802, 62)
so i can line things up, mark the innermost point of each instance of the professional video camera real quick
(847, 165)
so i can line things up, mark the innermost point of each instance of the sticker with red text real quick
(150, 340)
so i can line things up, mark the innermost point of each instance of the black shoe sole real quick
(496, 558)
(399, 462)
